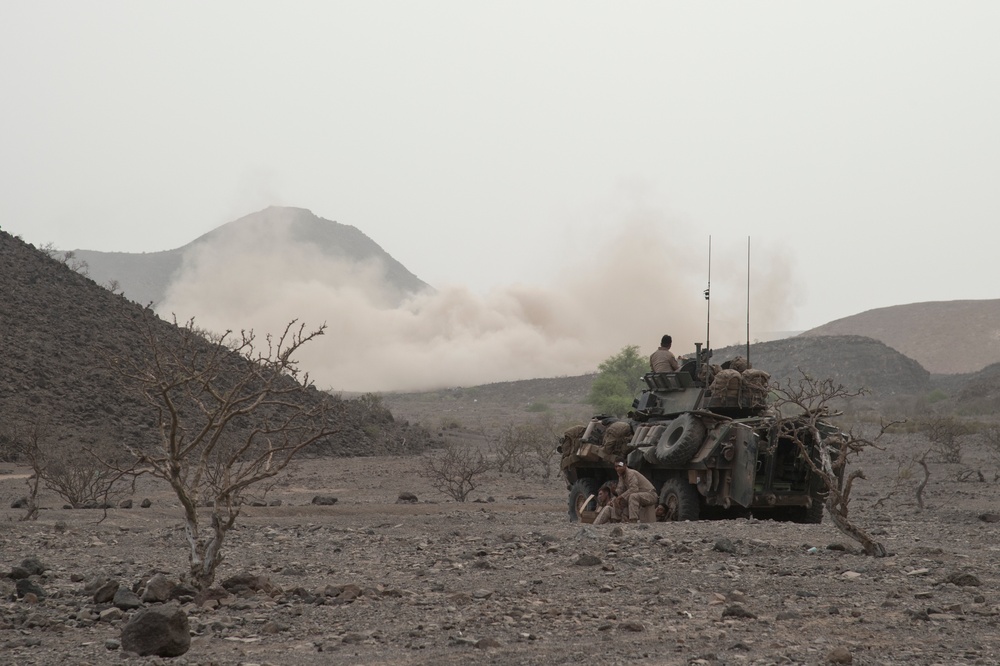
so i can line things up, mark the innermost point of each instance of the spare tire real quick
(680, 441)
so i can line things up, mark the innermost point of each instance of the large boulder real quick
(162, 631)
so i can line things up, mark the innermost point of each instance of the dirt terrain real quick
(506, 579)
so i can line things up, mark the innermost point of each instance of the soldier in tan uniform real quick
(663, 360)
(634, 491)
(606, 511)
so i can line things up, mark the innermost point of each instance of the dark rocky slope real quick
(57, 330)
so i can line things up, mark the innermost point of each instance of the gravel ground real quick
(506, 579)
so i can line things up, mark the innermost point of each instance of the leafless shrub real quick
(22, 442)
(76, 264)
(970, 474)
(78, 474)
(65, 466)
(906, 480)
(232, 414)
(524, 447)
(922, 461)
(455, 471)
(945, 434)
(805, 406)
(989, 436)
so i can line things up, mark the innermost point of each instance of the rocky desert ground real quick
(505, 578)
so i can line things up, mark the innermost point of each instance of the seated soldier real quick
(606, 511)
(634, 492)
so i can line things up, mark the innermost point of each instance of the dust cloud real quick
(630, 289)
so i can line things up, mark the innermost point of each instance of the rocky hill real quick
(945, 337)
(146, 277)
(852, 360)
(57, 330)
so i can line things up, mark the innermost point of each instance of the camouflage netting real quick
(740, 364)
(726, 389)
(757, 385)
(735, 388)
(570, 441)
(617, 437)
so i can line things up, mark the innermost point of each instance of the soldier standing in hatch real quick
(663, 360)
(634, 491)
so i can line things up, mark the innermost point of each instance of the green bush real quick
(619, 379)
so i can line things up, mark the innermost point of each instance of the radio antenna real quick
(708, 298)
(748, 301)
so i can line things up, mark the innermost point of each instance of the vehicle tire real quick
(680, 441)
(578, 493)
(812, 515)
(680, 499)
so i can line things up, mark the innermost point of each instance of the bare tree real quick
(922, 461)
(232, 413)
(990, 437)
(805, 406)
(66, 466)
(456, 470)
(945, 433)
(79, 472)
(523, 447)
(21, 441)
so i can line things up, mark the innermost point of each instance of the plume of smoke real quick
(630, 290)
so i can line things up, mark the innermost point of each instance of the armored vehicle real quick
(707, 440)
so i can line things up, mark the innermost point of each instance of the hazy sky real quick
(495, 144)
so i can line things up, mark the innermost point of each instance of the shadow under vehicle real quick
(710, 444)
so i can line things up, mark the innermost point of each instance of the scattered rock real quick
(158, 589)
(840, 655)
(485, 643)
(587, 560)
(112, 614)
(324, 500)
(19, 503)
(146, 503)
(26, 586)
(126, 599)
(163, 631)
(344, 594)
(125, 504)
(739, 611)
(106, 592)
(33, 566)
(724, 545)
(273, 627)
(985, 517)
(249, 583)
(963, 579)
(631, 625)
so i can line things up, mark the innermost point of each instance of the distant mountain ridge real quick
(945, 337)
(146, 277)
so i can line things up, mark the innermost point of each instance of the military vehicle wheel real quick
(578, 494)
(680, 499)
(812, 515)
(680, 441)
